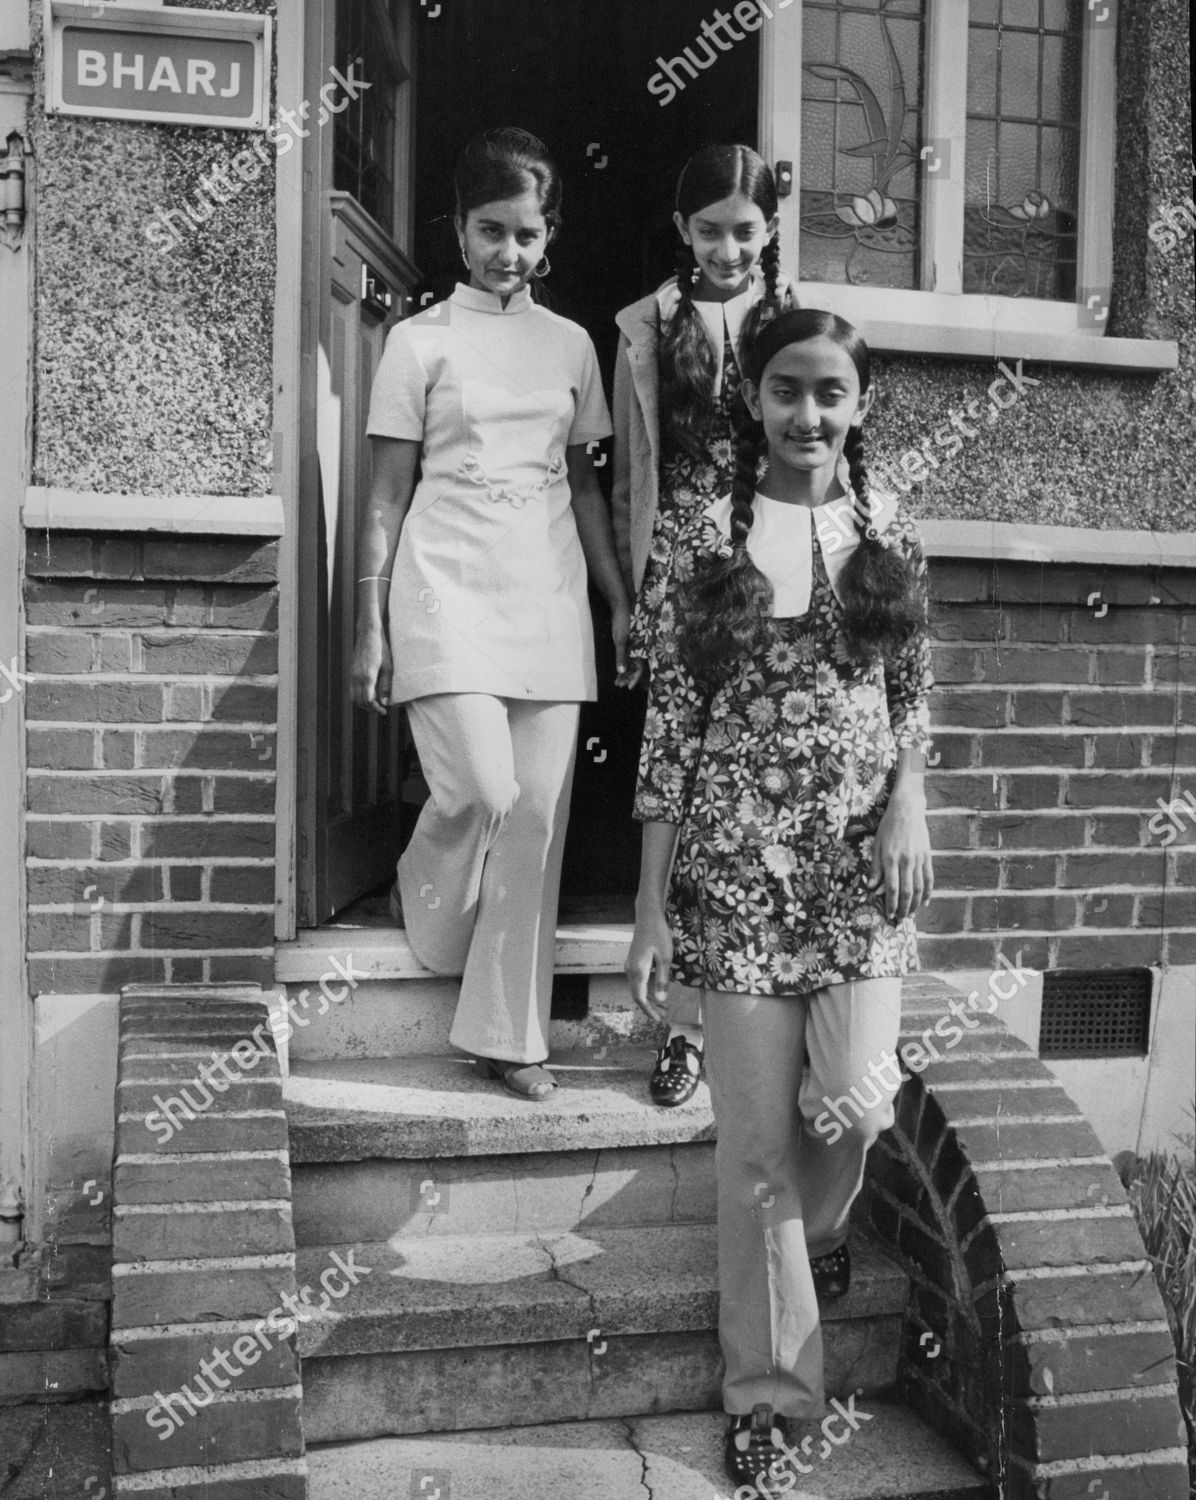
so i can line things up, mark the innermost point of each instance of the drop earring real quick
(542, 268)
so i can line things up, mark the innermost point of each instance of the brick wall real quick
(1035, 1335)
(151, 754)
(151, 715)
(203, 1254)
(1057, 729)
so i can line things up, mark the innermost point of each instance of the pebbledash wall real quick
(1066, 706)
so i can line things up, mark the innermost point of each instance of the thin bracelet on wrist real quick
(374, 578)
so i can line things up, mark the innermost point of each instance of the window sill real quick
(1147, 356)
(48, 509)
(975, 327)
(1018, 541)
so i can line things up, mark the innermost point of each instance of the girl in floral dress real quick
(785, 846)
(677, 376)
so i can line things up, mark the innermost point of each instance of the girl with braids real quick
(484, 516)
(677, 373)
(781, 785)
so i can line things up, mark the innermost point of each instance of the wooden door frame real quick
(16, 1004)
(290, 378)
(303, 189)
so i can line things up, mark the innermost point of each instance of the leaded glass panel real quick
(1023, 148)
(861, 125)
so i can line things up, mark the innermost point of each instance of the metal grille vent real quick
(1095, 1013)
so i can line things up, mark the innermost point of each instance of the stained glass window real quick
(1023, 148)
(861, 127)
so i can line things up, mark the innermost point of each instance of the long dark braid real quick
(769, 305)
(883, 602)
(725, 613)
(725, 610)
(687, 363)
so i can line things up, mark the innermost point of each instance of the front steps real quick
(678, 1457)
(528, 1263)
(536, 1290)
(507, 1330)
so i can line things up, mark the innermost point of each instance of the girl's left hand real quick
(901, 858)
(626, 672)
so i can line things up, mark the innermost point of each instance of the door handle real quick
(376, 296)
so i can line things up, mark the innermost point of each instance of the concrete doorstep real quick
(892, 1456)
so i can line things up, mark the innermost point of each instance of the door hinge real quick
(12, 191)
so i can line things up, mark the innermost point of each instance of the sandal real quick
(677, 1072)
(753, 1453)
(525, 1080)
(832, 1274)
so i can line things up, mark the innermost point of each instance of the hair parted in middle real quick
(496, 164)
(725, 610)
(687, 360)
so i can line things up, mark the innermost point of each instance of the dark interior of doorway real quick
(576, 74)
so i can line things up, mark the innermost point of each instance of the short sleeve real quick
(591, 417)
(399, 396)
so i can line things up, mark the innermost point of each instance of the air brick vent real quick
(1095, 1013)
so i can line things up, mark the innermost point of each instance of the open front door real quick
(356, 276)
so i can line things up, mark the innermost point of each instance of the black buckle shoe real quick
(832, 1274)
(677, 1072)
(752, 1453)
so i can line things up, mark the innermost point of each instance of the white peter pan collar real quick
(481, 301)
(834, 524)
(731, 314)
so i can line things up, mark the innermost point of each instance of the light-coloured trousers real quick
(480, 879)
(789, 1163)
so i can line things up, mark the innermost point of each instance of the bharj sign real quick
(194, 67)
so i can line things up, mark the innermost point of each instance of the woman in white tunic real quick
(472, 603)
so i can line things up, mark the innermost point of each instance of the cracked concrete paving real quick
(674, 1456)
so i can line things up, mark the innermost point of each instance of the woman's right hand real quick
(649, 961)
(371, 671)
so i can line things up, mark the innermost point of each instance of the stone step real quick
(379, 950)
(441, 1333)
(417, 1108)
(619, 1187)
(394, 1007)
(412, 1017)
(892, 1456)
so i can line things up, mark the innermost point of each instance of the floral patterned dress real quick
(779, 781)
(687, 486)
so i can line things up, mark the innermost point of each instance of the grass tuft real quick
(1162, 1193)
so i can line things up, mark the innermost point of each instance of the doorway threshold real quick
(591, 938)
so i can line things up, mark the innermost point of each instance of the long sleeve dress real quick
(779, 781)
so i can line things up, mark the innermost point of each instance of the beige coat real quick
(636, 417)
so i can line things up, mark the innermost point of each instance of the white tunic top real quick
(488, 592)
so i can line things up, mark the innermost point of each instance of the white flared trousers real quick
(789, 1163)
(480, 879)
